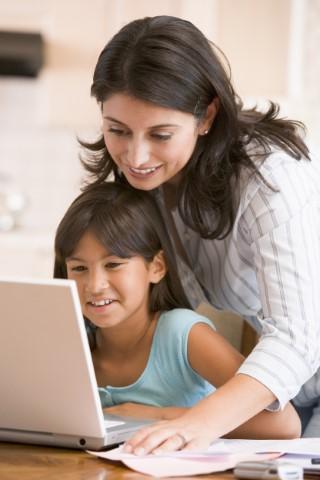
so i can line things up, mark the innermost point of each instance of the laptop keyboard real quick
(112, 423)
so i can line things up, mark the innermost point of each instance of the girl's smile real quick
(112, 289)
(100, 307)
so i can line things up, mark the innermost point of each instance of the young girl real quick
(153, 356)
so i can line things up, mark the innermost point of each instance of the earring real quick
(206, 132)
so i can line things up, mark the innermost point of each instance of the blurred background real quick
(272, 45)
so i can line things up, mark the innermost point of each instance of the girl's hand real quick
(138, 410)
(188, 432)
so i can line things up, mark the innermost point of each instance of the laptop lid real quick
(49, 390)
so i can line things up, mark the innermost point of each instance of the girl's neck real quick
(126, 340)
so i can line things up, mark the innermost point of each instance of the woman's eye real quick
(117, 131)
(161, 136)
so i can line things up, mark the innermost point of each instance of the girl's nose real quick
(138, 153)
(97, 281)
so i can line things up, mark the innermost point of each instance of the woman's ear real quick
(210, 115)
(157, 268)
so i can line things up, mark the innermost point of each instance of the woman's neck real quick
(170, 195)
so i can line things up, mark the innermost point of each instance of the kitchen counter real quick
(26, 252)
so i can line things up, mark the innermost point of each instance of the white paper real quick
(309, 446)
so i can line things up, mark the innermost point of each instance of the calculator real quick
(268, 470)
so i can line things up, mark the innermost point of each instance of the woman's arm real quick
(281, 229)
(231, 405)
(237, 399)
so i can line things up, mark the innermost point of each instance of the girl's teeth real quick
(100, 303)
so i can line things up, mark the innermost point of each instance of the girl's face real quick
(111, 289)
(149, 144)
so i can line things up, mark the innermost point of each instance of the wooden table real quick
(28, 462)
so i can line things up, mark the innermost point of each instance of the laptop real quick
(49, 393)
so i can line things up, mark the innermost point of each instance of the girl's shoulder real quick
(170, 342)
(180, 320)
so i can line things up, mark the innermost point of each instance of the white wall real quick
(40, 118)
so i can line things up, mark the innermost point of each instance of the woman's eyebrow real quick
(114, 120)
(160, 125)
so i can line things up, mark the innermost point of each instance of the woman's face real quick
(149, 144)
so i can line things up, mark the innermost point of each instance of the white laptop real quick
(49, 393)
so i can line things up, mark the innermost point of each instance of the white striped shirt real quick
(267, 271)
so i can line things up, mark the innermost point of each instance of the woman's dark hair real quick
(167, 61)
(128, 223)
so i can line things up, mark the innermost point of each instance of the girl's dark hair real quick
(128, 223)
(167, 61)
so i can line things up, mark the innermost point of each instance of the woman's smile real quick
(148, 153)
(143, 172)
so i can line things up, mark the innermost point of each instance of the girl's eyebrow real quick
(78, 259)
(160, 125)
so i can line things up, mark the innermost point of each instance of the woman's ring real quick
(183, 440)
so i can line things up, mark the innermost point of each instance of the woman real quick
(239, 195)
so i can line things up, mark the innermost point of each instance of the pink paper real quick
(179, 464)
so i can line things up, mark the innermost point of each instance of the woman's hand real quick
(231, 405)
(187, 432)
(138, 410)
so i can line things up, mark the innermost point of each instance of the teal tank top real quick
(168, 379)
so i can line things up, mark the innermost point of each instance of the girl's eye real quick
(112, 265)
(78, 268)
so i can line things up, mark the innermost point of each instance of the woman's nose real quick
(138, 153)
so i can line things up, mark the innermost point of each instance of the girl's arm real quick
(215, 359)
(140, 410)
(237, 399)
